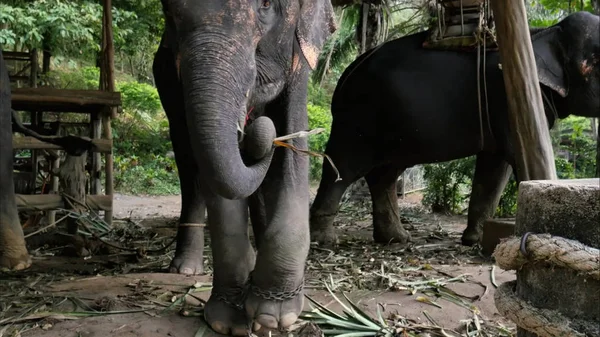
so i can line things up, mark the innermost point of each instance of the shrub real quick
(87, 78)
(447, 183)
(318, 117)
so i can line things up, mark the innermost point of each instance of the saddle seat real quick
(455, 26)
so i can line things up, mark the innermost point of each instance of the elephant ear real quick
(550, 60)
(315, 24)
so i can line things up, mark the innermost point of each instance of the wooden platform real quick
(26, 142)
(63, 100)
(46, 202)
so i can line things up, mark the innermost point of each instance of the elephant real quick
(13, 251)
(232, 76)
(400, 105)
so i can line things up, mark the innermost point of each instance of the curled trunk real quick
(217, 78)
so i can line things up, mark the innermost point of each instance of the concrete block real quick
(493, 231)
(569, 209)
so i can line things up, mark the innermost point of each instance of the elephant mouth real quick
(261, 94)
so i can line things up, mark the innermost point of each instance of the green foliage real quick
(150, 174)
(578, 145)
(318, 117)
(507, 206)
(73, 29)
(78, 78)
(544, 13)
(64, 27)
(447, 183)
(141, 138)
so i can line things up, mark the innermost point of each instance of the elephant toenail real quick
(268, 321)
(256, 326)
(187, 271)
(288, 319)
(219, 327)
(239, 331)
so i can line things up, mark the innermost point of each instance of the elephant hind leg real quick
(387, 227)
(353, 159)
(325, 207)
(492, 172)
(190, 233)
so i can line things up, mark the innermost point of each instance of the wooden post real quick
(531, 136)
(54, 186)
(34, 153)
(107, 82)
(73, 180)
(95, 129)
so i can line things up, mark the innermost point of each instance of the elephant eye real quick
(266, 4)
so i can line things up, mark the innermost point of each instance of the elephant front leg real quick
(233, 259)
(387, 227)
(492, 172)
(190, 233)
(275, 295)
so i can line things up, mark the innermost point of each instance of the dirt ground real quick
(429, 284)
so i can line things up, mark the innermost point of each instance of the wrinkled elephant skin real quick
(232, 75)
(13, 252)
(401, 105)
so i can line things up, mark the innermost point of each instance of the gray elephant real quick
(233, 75)
(401, 105)
(13, 251)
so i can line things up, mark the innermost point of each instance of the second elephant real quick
(401, 105)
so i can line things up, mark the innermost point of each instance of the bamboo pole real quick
(529, 127)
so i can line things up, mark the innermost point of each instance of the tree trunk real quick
(370, 25)
(47, 54)
(529, 126)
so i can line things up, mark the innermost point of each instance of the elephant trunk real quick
(219, 73)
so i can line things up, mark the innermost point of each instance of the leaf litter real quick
(26, 301)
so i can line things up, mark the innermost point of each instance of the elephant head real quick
(232, 55)
(568, 61)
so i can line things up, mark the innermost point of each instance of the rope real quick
(515, 252)
(543, 322)
(554, 249)
(481, 34)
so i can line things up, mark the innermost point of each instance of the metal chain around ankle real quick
(276, 295)
(234, 298)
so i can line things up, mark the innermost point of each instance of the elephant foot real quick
(226, 316)
(274, 309)
(470, 237)
(391, 233)
(189, 254)
(326, 238)
(14, 261)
